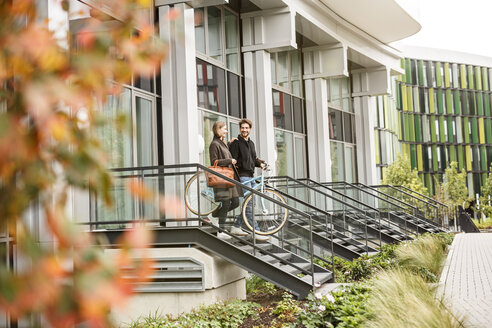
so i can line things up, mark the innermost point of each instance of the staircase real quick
(323, 220)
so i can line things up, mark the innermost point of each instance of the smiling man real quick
(243, 150)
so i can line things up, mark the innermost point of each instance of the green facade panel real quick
(421, 72)
(433, 128)
(483, 158)
(418, 128)
(440, 107)
(447, 118)
(461, 163)
(450, 129)
(438, 74)
(442, 133)
(457, 102)
(474, 130)
(478, 78)
(452, 153)
(485, 79)
(488, 130)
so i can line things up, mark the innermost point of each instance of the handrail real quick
(405, 229)
(394, 198)
(360, 189)
(404, 192)
(430, 209)
(316, 208)
(425, 196)
(332, 190)
(143, 172)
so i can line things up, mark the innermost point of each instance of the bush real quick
(222, 314)
(344, 308)
(401, 299)
(423, 256)
(257, 285)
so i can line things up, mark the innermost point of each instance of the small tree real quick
(486, 198)
(49, 100)
(454, 186)
(400, 173)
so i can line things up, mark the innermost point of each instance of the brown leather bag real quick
(218, 182)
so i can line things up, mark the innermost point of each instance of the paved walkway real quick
(466, 280)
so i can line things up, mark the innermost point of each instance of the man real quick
(243, 150)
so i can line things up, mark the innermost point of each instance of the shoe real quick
(223, 235)
(213, 220)
(238, 231)
(261, 237)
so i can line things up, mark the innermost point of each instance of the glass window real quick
(273, 68)
(348, 127)
(199, 30)
(145, 132)
(282, 111)
(298, 115)
(234, 95)
(335, 124)
(337, 162)
(349, 165)
(335, 92)
(214, 33)
(285, 153)
(295, 68)
(118, 142)
(300, 149)
(211, 87)
(283, 70)
(345, 94)
(232, 42)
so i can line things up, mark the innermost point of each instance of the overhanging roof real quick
(384, 20)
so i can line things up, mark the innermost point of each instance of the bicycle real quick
(269, 217)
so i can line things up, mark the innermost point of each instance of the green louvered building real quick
(445, 115)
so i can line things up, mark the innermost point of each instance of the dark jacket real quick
(245, 154)
(218, 151)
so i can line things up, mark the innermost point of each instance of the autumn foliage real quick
(50, 89)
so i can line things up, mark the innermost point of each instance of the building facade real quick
(444, 104)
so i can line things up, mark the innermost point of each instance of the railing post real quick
(141, 209)
(311, 249)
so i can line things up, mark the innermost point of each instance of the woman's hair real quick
(218, 125)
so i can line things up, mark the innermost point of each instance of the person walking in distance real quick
(228, 197)
(243, 150)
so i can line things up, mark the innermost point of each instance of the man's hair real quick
(217, 125)
(245, 120)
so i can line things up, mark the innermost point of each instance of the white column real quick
(318, 136)
(365, 114)
(178, 81)
(258, 101)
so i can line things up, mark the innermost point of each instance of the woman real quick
(228, 197)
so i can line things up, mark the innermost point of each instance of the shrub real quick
(344, 308)
(401, 299)
(257, 285)
(423, 256)
(222, 314)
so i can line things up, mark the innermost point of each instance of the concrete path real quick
(466, 281)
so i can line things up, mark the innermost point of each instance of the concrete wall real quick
(222, 280)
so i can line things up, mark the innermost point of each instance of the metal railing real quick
(444, 210)
(376, 207)
(425, 209)
(327, 205)
(167, 185)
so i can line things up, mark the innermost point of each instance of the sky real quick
(459, 25)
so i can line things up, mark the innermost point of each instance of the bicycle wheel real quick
(207, 202)
(269, 216)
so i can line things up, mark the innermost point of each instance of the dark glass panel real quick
(234, 95)
(298, 115)
(335, 124)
